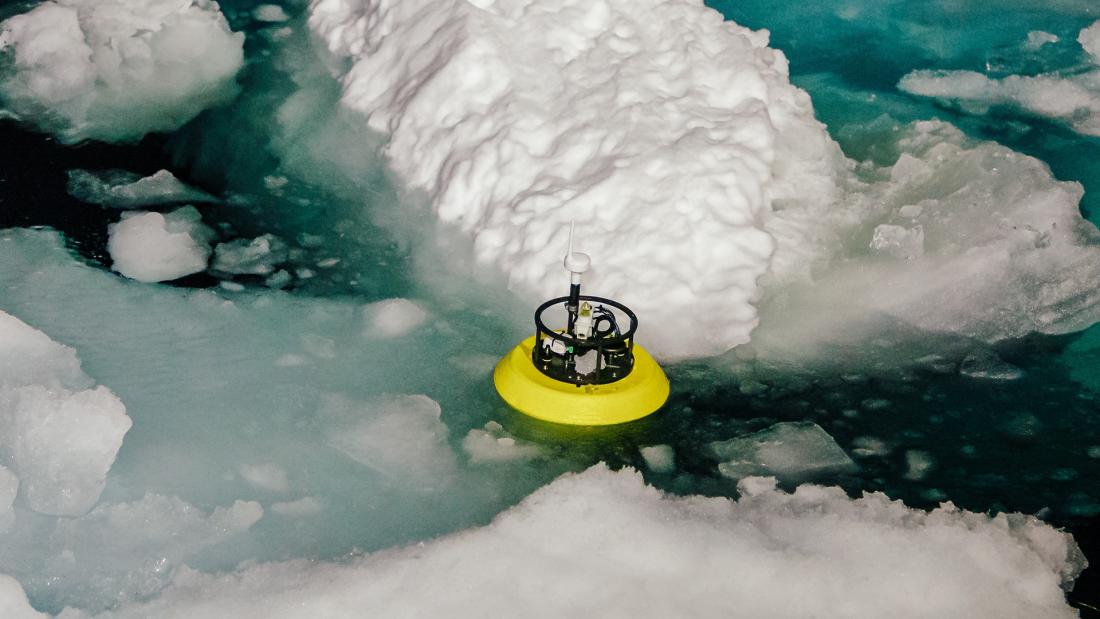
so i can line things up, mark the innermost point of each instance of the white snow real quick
(124, 190)
(59, 433)
(392, 318)
(662, 130)
(791, 451)
(602, 543)
(155, 247)
(13, 601)
(257, 256)
(115, 70)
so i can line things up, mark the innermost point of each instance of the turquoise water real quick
(1030, 445)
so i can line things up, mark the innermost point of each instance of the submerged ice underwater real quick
(258, 261)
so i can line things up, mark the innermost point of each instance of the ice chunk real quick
(898, 241)
(267, 476)
(13, 601)
(1039, 38)
(257, 256)
(918, 464)
(1089, 38)
(518, 117)
(582, 545)
(791, 451)
(659, 458)
(58, 434)
(494, 444)
(155, 247)
(115, 70)
(124, 190)
(392, 318)
(399, 436)
(986, 364)
(270, 13)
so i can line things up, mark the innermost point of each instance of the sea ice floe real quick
(400, 437)
(59, 432)
(1072, 98)
(790, 451)
(602, 543)
(125, 190)
(154, 247)
(115, 70)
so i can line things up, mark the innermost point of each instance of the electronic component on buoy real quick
(588, 372)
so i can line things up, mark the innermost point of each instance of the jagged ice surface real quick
(603, 543)
(116, 70)
(59, 433)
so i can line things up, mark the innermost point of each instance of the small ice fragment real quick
(392, 318)
(270, 13)
(1039, 38)
(275, 182)
(918, 464)
(898, 242)
(875, 404)
(791, 451)
(934, 494)
(310, 240)
(256, 256)
(266, 476)
(1064, 474)
(659, 458)
(328, 263)
(986, 364)
(126, 190)
(1094, 451)
(868, 446)
(155, 247)
(231, 286)
(279, 279)
(493, 444)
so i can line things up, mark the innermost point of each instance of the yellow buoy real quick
(589, 372)
(533, 393)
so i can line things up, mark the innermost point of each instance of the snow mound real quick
(124, 190)
(156, 247)
(602, 543)
(665, 132)
(115, 70)
(791, 451)
(59, 433)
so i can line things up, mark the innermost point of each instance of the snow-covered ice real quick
(602, 543)
(115, 70)
(124, 190)
(155, 247)
(59, 432)
(493, 443)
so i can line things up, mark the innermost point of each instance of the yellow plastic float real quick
(589, 373)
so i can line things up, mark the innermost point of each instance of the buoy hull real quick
(532, 393)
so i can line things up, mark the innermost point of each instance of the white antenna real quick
(575, 262)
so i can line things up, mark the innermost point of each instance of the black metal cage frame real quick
(614, 353)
